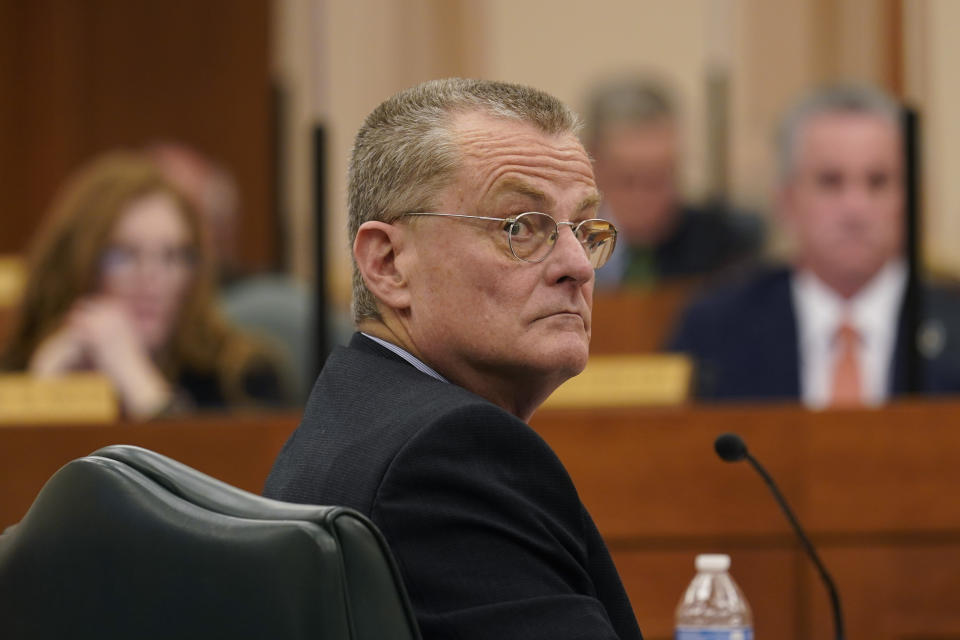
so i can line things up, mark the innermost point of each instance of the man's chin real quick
(856, 273)
(572, 360)
(554, 351)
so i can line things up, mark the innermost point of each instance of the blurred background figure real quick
(273, 306)
(633, 135)
(121, 282)
(830, 328)
(213, 193)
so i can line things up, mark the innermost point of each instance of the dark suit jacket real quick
(486, 525)
(703, 242)
(744, 341)
(707, 241)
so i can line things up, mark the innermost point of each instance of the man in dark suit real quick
(470, 313)
(831, 330)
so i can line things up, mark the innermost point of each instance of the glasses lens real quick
(598, 238)
(532, 235)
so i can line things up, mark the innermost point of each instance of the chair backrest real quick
(127, 543)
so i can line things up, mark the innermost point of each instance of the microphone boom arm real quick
(824, 575)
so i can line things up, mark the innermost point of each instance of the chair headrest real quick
(128, 543)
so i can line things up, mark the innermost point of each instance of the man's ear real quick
(376, 249)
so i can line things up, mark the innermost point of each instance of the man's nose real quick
(858, 198)
(569, 258)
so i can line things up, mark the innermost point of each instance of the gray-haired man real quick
(475, 239)
(830, 330)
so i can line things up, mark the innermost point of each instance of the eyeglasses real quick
(533, 235)
(121, 261)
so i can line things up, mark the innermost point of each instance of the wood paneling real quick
(876, 490)
(637, 321)
(904, 590)
(236, 449)
(79, 78)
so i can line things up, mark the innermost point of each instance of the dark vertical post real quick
(281, 249)
(718, 135)
(913, 301)
(320, 319)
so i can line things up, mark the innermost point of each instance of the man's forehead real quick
(506, 158)
(840, 137)
(512, 186)
(474, 127)
(858, 127)
(484, 137)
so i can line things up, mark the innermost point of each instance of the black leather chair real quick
(127, 543)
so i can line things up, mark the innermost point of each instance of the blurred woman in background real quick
(121, 282)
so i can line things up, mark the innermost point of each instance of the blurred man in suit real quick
(473, 218)
(634, 137)
(829, 330)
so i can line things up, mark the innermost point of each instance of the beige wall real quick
(369, 49)
(931, 81)
(342, 57)
(573, 44)
(337, 60)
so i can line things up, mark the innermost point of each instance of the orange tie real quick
(847, 391)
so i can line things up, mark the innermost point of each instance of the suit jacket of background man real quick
(744, 340)
(704, 241)
(483, 519)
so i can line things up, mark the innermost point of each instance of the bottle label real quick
(706, 633)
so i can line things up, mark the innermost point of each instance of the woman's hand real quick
(112, 346)
(61, 352)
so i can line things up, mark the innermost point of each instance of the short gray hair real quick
(406, 152)
(633, 100)
(836, 99)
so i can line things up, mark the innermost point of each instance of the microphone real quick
(731, 448)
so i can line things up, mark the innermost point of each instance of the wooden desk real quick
(236, 449)
(638, 321)
(879, 492)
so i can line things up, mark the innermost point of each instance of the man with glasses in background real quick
(475, 239)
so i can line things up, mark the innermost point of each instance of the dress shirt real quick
(417, 363)
(874, 312)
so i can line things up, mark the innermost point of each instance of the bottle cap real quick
(712, 562)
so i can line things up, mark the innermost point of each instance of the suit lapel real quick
(783, 340)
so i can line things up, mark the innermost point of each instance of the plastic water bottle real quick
(713, 608)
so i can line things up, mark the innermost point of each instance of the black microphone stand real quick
(824, 575)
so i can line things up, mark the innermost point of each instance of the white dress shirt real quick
(874, 312)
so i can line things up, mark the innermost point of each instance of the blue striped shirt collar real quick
(417, 364)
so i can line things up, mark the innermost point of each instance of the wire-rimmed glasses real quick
(533, 235)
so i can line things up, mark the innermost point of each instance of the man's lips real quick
(563, 313)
